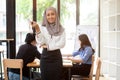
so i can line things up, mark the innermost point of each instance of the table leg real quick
(30, 74)
(69, 73)
(8, 49)
(1, 53)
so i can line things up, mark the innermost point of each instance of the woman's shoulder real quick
(43, 29)
(88, 47)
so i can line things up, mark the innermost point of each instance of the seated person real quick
(28, 52)
(82, 58)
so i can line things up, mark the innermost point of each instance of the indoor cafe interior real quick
(98, 19)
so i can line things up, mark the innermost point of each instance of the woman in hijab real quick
(51, 36)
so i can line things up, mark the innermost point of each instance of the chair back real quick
(92, 67)
(12, 63)
(98, 63)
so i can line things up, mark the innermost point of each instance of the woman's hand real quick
(70, 58)
(43, 46)
(75, 60)
(35, 25)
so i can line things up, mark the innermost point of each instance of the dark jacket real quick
(28, 53)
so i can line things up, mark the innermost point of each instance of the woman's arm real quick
(38, 55)
(39, 36)
(75, 60)
(67, 55)
(36, 26)
(40, 39)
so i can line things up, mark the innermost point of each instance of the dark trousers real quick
(51, 65)
(77, 69)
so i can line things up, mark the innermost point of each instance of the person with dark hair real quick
(82, 58)
(28, 52)
(51, 37)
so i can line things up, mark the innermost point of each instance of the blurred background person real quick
(81, 59)
(28, 52)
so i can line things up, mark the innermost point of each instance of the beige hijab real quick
(54, 29)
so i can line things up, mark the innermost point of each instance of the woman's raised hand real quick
(35, 25)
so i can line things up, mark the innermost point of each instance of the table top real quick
(36, 63)
(6, 40)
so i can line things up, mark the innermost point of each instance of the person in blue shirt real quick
(82, 58)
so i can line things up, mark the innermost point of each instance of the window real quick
(88, 22)
(3, 19)
(88, 12)
(23, 17)
(42, 5)
(88, 19)
(68, 20)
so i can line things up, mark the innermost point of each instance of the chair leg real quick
(71, 78)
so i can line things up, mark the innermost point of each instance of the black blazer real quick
(28, 53)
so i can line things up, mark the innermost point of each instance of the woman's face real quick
(51, 16)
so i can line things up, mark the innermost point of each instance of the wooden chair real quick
(12, 63)
(98, 63)
(78, 77)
